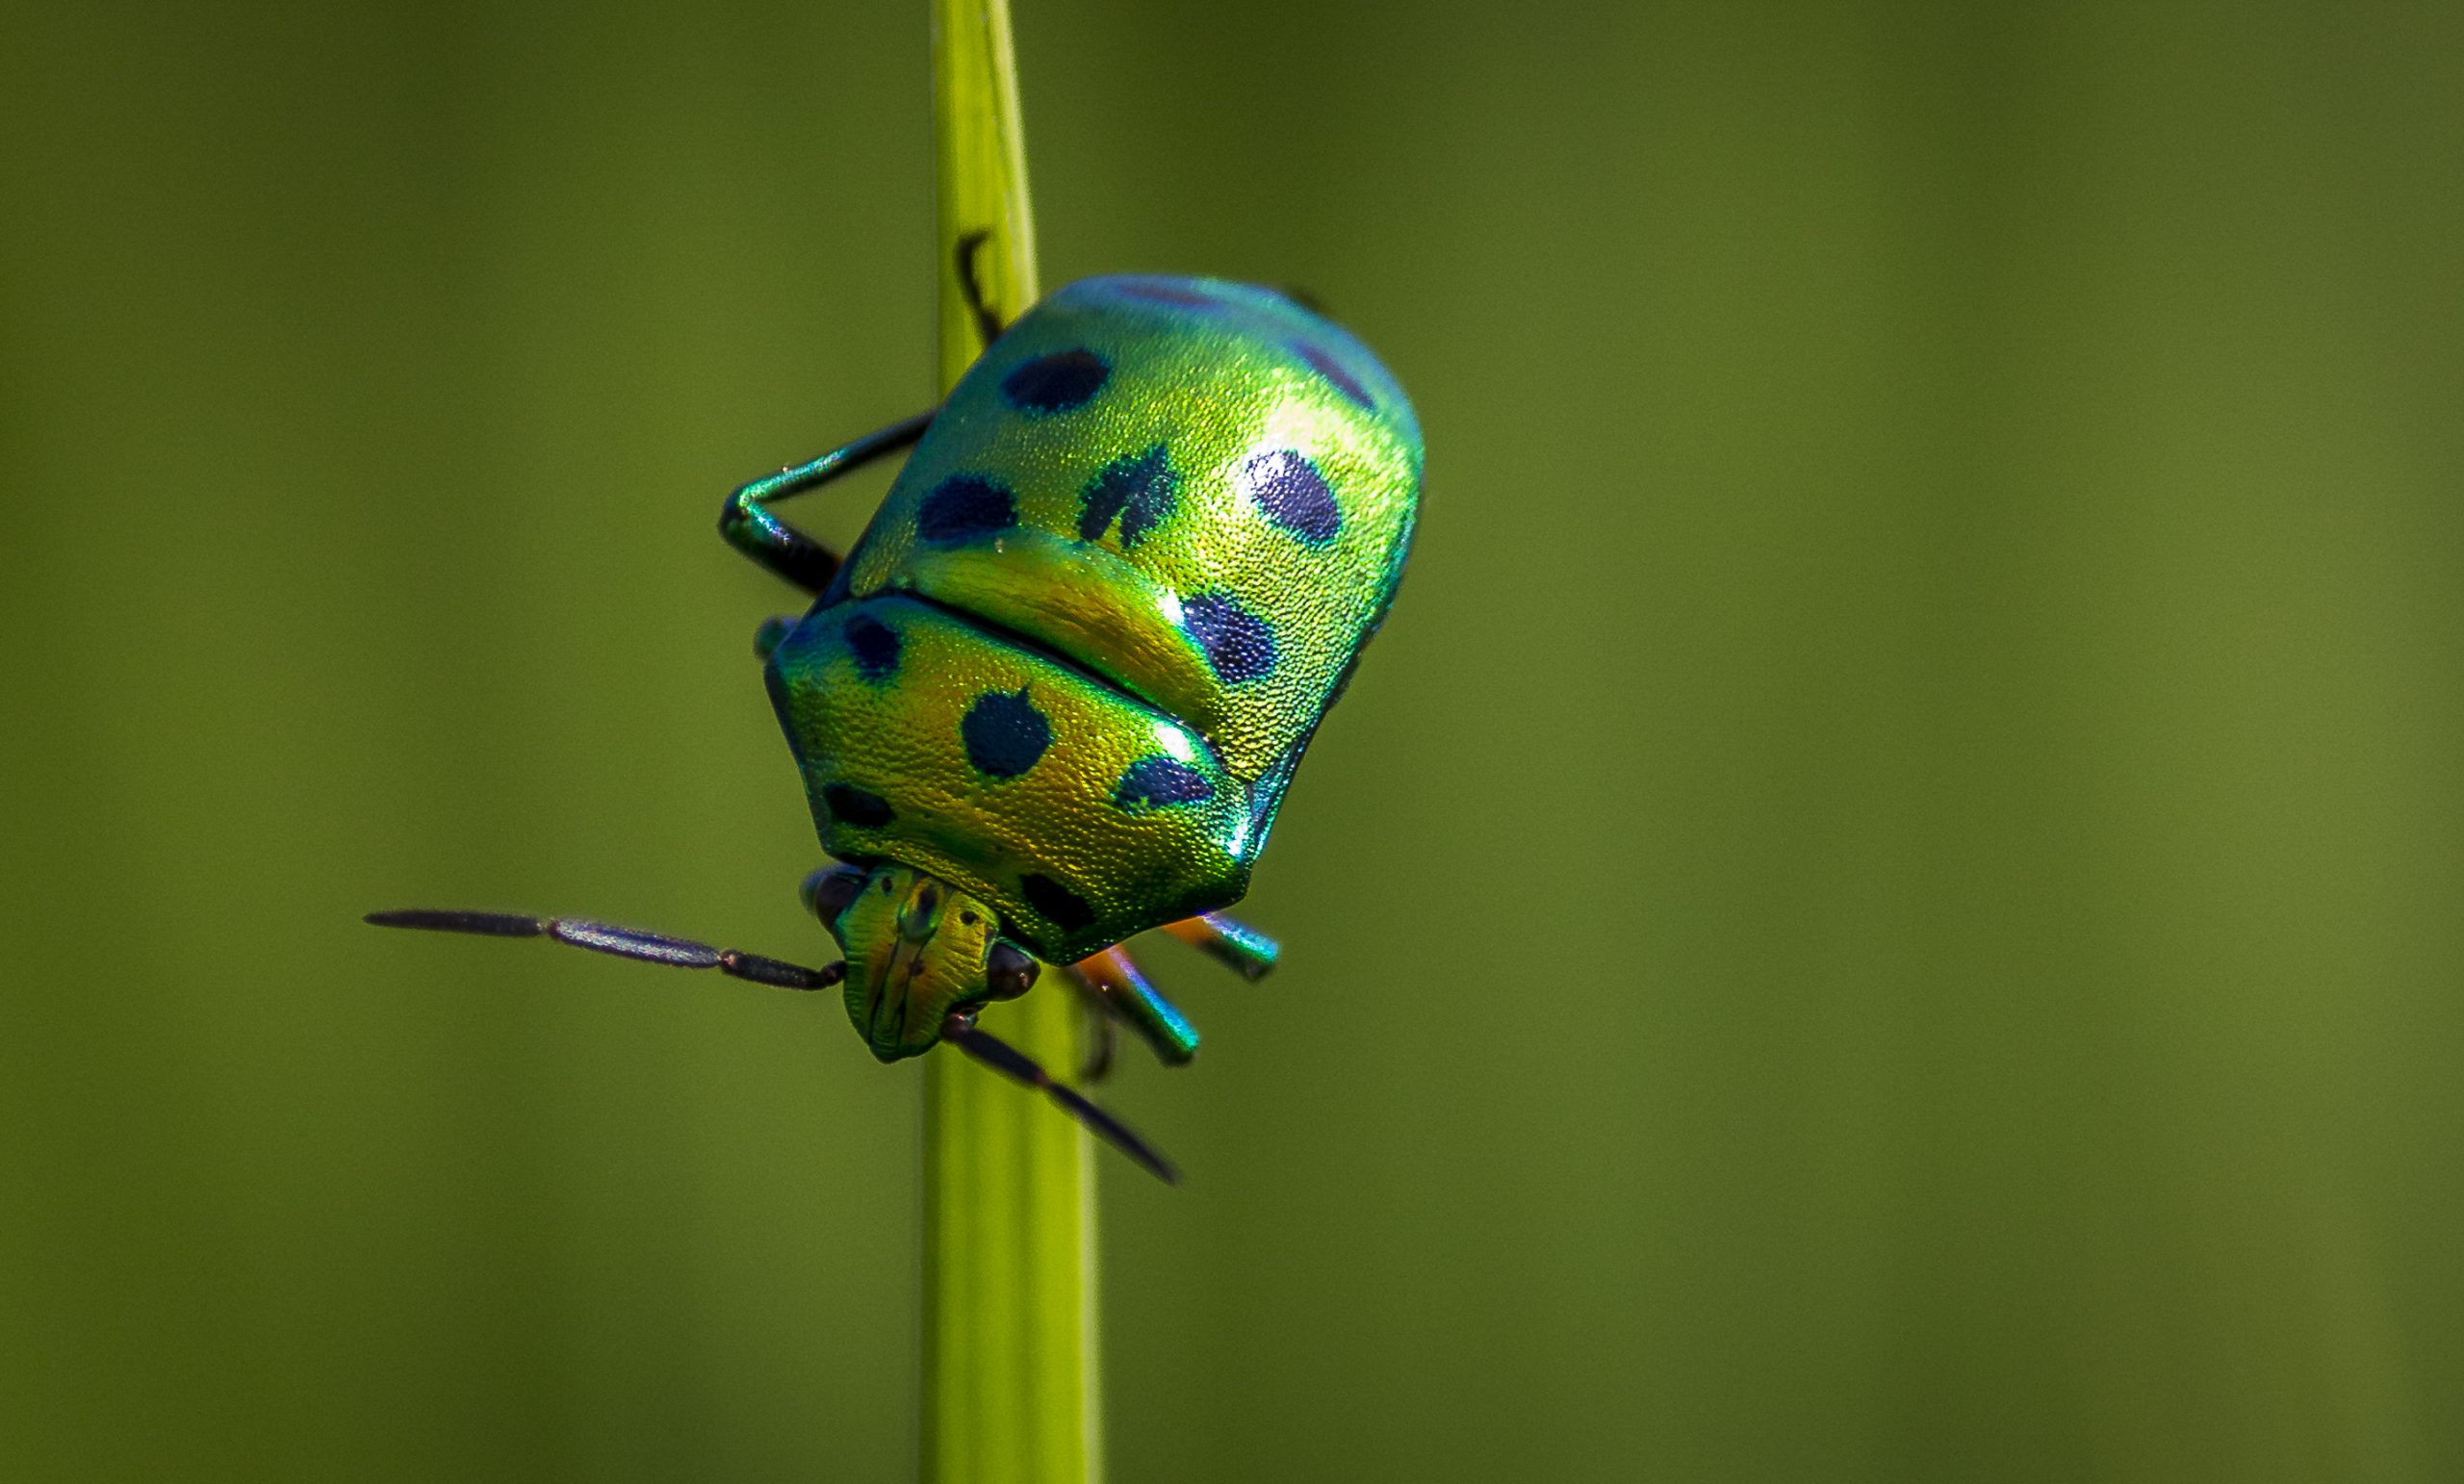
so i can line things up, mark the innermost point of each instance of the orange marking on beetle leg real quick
(1112, 974)
(1229, 941)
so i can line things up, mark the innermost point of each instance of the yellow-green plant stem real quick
(1009, 1385)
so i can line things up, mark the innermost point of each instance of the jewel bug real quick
(1053, 695)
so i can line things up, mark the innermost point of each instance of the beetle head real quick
(918, 950)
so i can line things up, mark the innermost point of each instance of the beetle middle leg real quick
(1112, 976)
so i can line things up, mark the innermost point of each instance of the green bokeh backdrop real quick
(1886, 907)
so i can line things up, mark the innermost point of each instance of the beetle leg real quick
(771, 634)
(624, 942)
(987, 324)
(1305, 299)
(783, 550)
(1101, 1038)
(1236, 945)
(1112, 975)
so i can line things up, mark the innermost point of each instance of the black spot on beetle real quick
(1163, 290)
(1005, 734)
(875, 645)
(1059, 382)
(962, 507)
(1239, 645)
(1327, 366)
(857, 807)
(1152, 783)
(1065, 907)
(1293, 494)
(1136, 490)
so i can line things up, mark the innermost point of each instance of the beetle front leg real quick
(1102, 1036)
(780, 548)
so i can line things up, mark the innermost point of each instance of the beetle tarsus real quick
(971, 284)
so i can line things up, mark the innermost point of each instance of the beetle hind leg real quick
(1234, 944)
(753, 529)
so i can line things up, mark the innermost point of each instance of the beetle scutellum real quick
(1054, 696)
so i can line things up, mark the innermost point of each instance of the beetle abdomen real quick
(1076, 657)
(1196, 489)
(1082, 813)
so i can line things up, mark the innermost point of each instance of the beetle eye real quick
(828, 891)
(1009, 970)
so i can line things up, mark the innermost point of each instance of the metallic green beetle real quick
(1054, 696)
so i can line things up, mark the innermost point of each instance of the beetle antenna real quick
(1019, 1068)
(601, 938)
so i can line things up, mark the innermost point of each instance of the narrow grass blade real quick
(1010, 1373)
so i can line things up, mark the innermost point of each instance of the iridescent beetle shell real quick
(1075, 658)
(1054, 697)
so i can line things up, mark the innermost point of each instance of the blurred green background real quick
(1886, 908)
